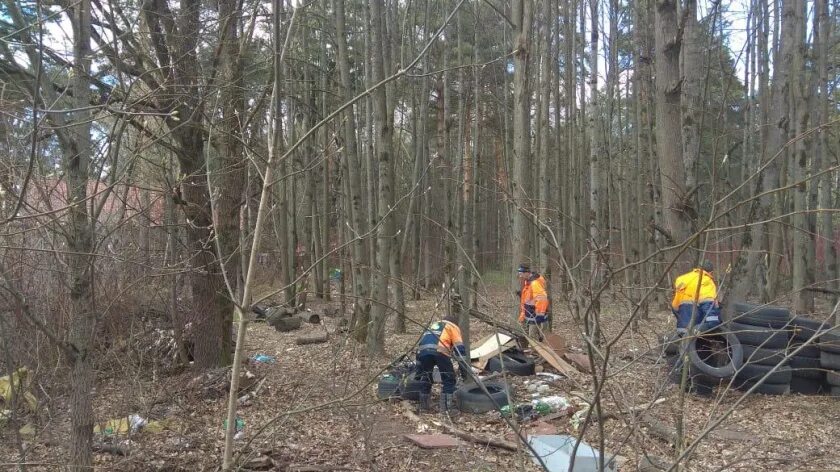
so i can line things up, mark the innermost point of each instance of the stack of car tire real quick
(804, 353)
(829, 347)
(713, 358)
(809, 378)
(765, 334)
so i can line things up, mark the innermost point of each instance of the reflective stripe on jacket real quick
(443, 337)
(685, 288)
(533, 295)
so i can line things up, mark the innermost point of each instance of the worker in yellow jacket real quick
(533, 301)
(696, 288)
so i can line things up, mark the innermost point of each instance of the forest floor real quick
(317, 410)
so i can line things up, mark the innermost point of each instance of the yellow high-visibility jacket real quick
(685, 288)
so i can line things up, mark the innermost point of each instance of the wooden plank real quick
(491, 346)
(553, 359)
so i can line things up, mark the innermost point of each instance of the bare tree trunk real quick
(361, 279)
(520, 181)
(545, 161)
(749, 273)
(692, 75)
(77, 153)
(802, 241)
(826, 230)
(385, 232)
(668, 133)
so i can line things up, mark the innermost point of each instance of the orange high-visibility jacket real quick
(533, 294)
(443, 337)
(685, 288)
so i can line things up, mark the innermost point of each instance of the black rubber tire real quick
(805, 329)
(671, 344)
(388, 387)
(830, 341)
(759, 355)
(472, 399)
(758, 336)
(806, 386)
(832, 378)
(754, 373)
(767, 389)
(515, 363)
(812, 350)
(829, 360)
(761, 315)
(807, 367)
(698, 383)
(412, 385)
(735, 357)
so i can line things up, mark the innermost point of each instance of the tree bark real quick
(521, 183)
(77, 153)
(668, 134)
(385, 232)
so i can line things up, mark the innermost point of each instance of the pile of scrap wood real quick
(552, 350)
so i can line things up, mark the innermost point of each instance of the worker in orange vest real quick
(533, 301)
(439, 343)
(696, 288)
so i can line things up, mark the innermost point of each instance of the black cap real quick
(523, 268)
(707, 265)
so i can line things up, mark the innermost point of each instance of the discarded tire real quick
(768, 388)
(701, 354)
(769, 316)
(805, 329)
(412, 385)
(472, 399)
(698, 383)
(515, 363)
(829, 360)
(806, 367)
(671, 343)
(755, 372)
(388, 387)
(830, 341)
(766, 338)
(759, 355)
(806, 386)
(284, 323)
(808, 351)
(832, 378)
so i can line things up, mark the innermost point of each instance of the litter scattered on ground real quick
(264, 359)
(555, 450)
(122, 426)
(433, 441)
(18, 380)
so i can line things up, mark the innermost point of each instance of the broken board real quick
(492, 345)
(433, 441)
(553, 359)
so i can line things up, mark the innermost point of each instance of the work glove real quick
(518, 293)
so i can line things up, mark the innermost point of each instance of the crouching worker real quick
(696, 288)
(441, 341)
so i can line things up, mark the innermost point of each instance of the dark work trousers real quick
(428, 360)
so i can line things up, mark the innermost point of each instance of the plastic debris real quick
(553, 377)
(556, 450)
(264, 359)
(19, 379)
(239, 424)
(121, 426)
(556, 402)
(27, 431)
